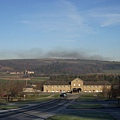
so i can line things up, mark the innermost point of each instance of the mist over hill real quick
(60, 66)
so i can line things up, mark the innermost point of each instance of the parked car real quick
(63, 95)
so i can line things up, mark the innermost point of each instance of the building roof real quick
(57, 83)
(29, 86)
(84, 82)
(96, 83)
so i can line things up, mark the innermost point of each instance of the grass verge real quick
(83, 116)
(87, 97)
(8, 107)
(84, 106)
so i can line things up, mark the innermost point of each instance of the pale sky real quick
(82, 29)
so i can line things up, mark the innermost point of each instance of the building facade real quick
(76, 85)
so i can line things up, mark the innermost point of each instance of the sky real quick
(79, 29)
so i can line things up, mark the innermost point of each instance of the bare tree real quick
(13, 89)
(1, 91)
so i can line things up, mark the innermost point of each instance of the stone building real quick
(76, 85)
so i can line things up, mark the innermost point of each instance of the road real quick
(42, 111)
(39, 111)
(113, 111)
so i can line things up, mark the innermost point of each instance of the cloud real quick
(37, 53)
(105, 16)
(27, 22)
(72, 13)
(65, 18)
(111, 19)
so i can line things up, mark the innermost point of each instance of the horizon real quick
(58, 59)
(65, 29)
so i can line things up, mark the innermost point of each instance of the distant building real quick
(30, 89)
(76, 85)
(29, 72)
(16, 73)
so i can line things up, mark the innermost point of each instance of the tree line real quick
(88, 77)
(11, 89)
(58, 66)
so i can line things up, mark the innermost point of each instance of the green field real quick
(83, 116)
(29, 99)
(84, 106)
(116, 72)
(39, 79)
(8, 107)
(32, 80)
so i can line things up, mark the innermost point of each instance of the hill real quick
(60, 66)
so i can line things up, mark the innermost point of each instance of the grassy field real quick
(84, 106)
(87, 97)
(8, 107)
(32, 80)
(83, 116)
(109, 72)
(30, 99)
(38, 79)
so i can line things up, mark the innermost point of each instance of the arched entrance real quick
(76, 90)
(79, 89)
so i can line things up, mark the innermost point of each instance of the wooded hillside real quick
(60, 66)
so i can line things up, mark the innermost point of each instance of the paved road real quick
(37, 112)
(58, 106)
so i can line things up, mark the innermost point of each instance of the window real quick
(74, 84)
(52, 90)
(78, 84)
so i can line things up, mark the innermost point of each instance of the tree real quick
(1, 91)
(13, 89)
